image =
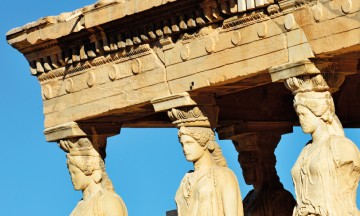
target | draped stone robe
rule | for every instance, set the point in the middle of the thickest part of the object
(200, 192)
(326, 177)
(94, 205)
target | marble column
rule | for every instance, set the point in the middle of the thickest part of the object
(211, 188)
(86, 151)
(327, 172)
(256, 145)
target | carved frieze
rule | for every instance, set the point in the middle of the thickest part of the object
(115, 58)
(246, 20)
(89, 45)
(302, 3)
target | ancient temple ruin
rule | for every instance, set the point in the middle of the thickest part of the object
(236, 67)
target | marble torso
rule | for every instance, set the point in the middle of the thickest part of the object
(269, 202)
(326, 178)
(93, 206)
(199, 193)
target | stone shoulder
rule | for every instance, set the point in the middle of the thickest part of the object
(344, 151)
(225, 174)
(111, 204)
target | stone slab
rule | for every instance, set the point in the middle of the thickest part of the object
(285, 71)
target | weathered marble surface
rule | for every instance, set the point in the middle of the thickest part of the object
(212, 188)
(87, 170)
(95, 70)
(88, 66)
(327, 172)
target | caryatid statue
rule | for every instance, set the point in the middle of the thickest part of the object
(212, 188)
(257, 160)
(87, 169)
(326, 174)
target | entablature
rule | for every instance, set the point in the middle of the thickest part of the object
(108, 27)
(109, 70)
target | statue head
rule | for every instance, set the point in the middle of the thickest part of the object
(84, 163)
(197, 140)
(257, 158)
(84, 169)
(317, 109)
(320, 104)
(250, 162)
(258, 168)
(313, 102)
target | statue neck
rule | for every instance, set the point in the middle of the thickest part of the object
(321, 133)
(204, 162)
(91, 190)
(257, 187)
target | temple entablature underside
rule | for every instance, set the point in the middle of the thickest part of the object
(115, 64)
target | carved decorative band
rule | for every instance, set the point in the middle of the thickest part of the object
(101, 41)
(116, 57)
(194, 116)
(318, 83)
(244, 21)
(302, 3)
(188, 116)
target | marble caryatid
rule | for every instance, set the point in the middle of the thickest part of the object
(212, 188)
(87, 170)
(257, 160)
(327, 172)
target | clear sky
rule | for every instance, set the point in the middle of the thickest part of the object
(145, 165)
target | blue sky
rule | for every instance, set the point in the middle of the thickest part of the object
(145, 165)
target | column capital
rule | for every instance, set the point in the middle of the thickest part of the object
(73, 130)
(302, 73)
(189, 110)
(63, 131)
(257, 141)
(293, 69)
(318, 83)
(182, 100)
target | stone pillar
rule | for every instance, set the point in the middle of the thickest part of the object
(86, 151)
(327, 172)
(212, 188)
(256, 143)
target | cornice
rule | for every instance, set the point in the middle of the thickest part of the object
(302, 3)
(113, 37)
(244, 20)
(59, 53)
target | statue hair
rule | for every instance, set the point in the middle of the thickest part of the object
(321, 104)
(205, 137)
(89, 164)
